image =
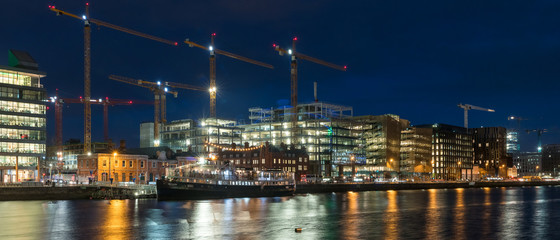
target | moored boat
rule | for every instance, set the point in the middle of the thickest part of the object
(194, 182)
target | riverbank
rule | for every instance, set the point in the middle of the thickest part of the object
(358, 187)
(12, 193)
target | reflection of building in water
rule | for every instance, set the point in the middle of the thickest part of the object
(22, 119)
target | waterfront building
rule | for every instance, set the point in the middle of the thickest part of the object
(490, 152)
(527, 163)
(266, 157)
(551, 160)
(123, 167)
(452, 152)
(22, 119)
(381, 139)
(327, 131)
(416, 153)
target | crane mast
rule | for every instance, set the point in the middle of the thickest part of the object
(87, 61)
(213, 51)
(294, 79)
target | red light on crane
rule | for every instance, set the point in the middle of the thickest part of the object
(87, 4)
(274, 45)
(213, 34)
(344, 67)
(130, 102)
(295, 38)
(176, 43)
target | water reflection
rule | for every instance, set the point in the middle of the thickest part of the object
(433, 216)
(492, 213)
(459, 216)
(391, 217)
(116, 222)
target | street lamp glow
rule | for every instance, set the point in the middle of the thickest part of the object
(115, 154)
(84, 17)
(290, 51)
(211, 48)
(158, 83)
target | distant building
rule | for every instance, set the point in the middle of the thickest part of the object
(416, 152)
(490, 152)
(512, 141)
(22, 119)
(452, 152)
(551, 160)
(70, 153)
(527, 163)
(146, 134)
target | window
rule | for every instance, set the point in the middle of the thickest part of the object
(142, 164)
(130, 163)
(130, 176)
(116, 163)
(124, 177)
(300, 158)
(275, 161)
(263, 161)
(299, 167)
(104, 163)
(305, 168)
(154, 164)
(123, 164)
(87, 163)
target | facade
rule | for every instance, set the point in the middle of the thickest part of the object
(490, 152)
(326, 131)
(416, 152)
(452, 152)
(146, 134)
(381, 139)
(120, 167)
(527, 163)
(268, 158)
(22, 119)
(189, 135)
(551, 160)
(512, 141)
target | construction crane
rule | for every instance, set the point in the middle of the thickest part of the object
(468, 107)
(59, 104)
(213, 51)
(518, 119)
(294, 79)
(539, 136)
(87, 61)
(159, 89)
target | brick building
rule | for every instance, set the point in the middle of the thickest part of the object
(268, 158)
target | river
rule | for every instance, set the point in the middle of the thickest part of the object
(482, 213)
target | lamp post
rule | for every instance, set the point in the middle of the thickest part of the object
(460, 174)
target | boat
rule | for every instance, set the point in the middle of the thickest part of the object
(199, 181)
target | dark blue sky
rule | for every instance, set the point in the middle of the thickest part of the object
(417, 59)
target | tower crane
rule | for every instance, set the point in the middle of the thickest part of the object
(213, 51)
(159, 89)
(518, 119)
(59, 103)
(294, 79)
(87, 61)
(468, 107)
(539, 135)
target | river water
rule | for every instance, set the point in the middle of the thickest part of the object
(482, 213)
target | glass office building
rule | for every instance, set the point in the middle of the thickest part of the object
(22, 119)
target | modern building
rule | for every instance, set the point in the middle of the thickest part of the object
(551, 160)
(512, 141)
(416, 153)
(22, 119)
(146, 134)
(452, 152)
(490, 151)
(381, 139)
(189, 135)
(527, 163)
(326, 131)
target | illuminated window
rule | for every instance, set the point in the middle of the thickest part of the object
(130, 163)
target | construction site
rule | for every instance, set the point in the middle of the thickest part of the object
(337, 142)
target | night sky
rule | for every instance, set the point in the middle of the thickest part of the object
(416, 59)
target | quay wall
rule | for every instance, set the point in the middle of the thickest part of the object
(357, 187)
(68, 193)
